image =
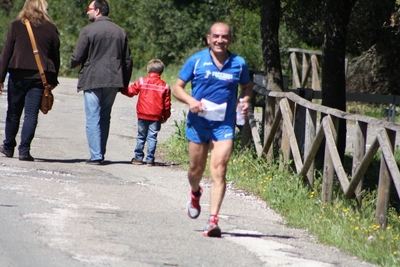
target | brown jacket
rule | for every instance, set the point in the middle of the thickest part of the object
(104, 55)
(17, 55)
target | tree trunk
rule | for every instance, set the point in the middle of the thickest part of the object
(337, 14)
(270, 17)
(269, 25)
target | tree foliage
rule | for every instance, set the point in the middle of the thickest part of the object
(366, 25)
(173, 29)
(305, 18)
(170, 30)
(269, 12)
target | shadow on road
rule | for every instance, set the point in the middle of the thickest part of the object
(251, 235)
(106, 162)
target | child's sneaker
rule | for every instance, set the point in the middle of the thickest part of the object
(212, 229)
(193, 206)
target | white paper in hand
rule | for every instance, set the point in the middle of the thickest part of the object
(213, 112)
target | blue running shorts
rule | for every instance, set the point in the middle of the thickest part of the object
(199, 134)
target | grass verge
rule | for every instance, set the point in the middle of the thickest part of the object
(340, 224)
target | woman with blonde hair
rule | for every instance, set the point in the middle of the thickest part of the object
(25, 87)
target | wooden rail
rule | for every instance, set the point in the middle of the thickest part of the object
(302, 136)
(309, 68)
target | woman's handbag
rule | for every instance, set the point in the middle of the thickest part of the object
(48, 98)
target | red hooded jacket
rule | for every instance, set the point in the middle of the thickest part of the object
(154, 101)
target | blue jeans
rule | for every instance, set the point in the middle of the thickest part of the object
(22, 93)
(98, 105)
(147, 131)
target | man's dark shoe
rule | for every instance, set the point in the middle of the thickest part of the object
(7, 153)
(135, 161)
(94, 162)
(26, 157)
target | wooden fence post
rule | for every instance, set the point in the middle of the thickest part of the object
(304, 71)
(310, 132)
(329, 171)
(300, 122)
(270, 104)
(382, 204)
(285, 146)
(316, 85)
(296, 80)
(359, 152)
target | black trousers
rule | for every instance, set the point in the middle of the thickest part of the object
(22, 93)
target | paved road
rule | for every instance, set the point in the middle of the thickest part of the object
(59, 211)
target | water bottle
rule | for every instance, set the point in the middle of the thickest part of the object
(239, 117)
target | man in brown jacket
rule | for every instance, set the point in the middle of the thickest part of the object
(106, 67)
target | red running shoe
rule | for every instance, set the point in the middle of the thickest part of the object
(212, 229)
(193, 206)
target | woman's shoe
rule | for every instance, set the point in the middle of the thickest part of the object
(7, 153)
(26, 157)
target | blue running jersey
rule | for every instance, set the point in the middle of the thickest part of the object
(215, 85)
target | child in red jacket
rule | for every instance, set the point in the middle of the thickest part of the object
(153, 108)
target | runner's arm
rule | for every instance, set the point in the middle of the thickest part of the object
(178, 91)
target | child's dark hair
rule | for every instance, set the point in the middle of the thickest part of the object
(155, 65)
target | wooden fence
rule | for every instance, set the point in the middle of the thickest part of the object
(302, 135)
(309, 68)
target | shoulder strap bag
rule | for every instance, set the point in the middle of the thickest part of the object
(48, 98)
